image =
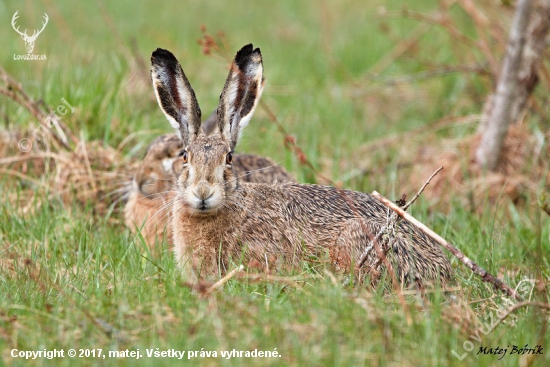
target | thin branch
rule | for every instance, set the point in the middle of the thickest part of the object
(292, 281)
(224, 280)
(518, 306)
(88, 165)
(290, 143)
(365, 255)
(384, 229)
(422, 188)
(485, 276)
(15, 92)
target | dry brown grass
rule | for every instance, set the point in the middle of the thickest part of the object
(523, 166)
(523, 174)
(92, 172)
(89, 173)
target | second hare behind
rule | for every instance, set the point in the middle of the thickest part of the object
(217, 219)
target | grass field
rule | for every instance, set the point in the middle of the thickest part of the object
(70, 278)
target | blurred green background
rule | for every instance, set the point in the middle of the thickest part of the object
(343, 78)
(322, 62)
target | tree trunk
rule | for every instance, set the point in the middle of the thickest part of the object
(517, 80)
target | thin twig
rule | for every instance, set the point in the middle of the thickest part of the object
(224, 280)
(88, 166)
(366, 253)
(485, 276)
(15, 91)
(401, 48)
(290, 143)
(10, 172)
(518, 306)
(422, 188)
(292, 281)
(375, 240)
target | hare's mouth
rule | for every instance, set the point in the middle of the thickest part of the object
(202, 205)
(203, 210)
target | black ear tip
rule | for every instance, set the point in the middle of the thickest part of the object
(161, 54)
(246, 49)
(244, 54)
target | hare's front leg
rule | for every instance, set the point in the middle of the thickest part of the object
(184, 259)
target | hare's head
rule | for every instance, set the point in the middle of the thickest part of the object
(207, 176)
(155, 175)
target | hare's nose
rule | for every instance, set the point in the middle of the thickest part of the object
(203, 192)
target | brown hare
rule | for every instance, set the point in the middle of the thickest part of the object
(217, 218)
(149, 197)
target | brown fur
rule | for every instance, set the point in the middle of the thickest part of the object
(292, 221)
(216, 218)
(148, 206)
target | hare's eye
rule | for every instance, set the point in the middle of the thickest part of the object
(184, 156)
(228, 158)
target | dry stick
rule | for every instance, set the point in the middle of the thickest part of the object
(401, 48)
(291, 143)
(481, 23)
(305, 161)
(518, 306)
(88, 166)
(422, 188)
(15, 91)
(377, 237)
(485, 276)
(366, 254)
(382, 253)
(291, 281)
(224, 280)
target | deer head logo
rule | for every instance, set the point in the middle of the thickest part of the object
(29, 40)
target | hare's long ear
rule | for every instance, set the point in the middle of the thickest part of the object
(240, 94)
(175, 96)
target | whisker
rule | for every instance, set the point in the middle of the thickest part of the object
(161, 179)
(248, 173)
(120, 190)
(161, 194)
(163, 208)
(160, 219)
